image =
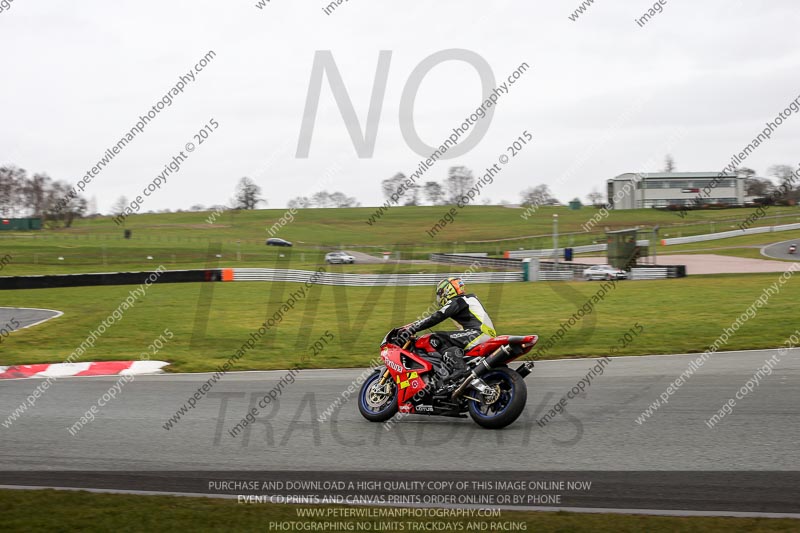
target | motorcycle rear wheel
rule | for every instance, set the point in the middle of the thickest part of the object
(376, 403)
(506, 407)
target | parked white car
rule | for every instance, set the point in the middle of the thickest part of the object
(604, 272)
(339, 257)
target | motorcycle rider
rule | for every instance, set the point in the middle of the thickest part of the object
(468, 312)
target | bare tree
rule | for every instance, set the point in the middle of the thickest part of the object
(35, 192)
(788, 181)
(669, 163)
(412, 194)
(784, 173)
(39, 196)
(595, 197)
(62, 207)
(321, 199)
(434, 193)
(119, 206)
(392, 185)
(459, 181)
(754, 186)
(539, 195)
(758, 186)
(339, 199)
(299, 202)
(12, 182)
(248, 194)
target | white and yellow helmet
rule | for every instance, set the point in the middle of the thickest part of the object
(447, 289)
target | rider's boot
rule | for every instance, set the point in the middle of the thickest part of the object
(454, 359)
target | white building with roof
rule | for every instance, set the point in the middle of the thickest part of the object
(635, 190)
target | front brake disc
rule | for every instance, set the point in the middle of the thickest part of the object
(376, 398)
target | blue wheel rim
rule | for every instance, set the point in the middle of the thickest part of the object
(365, 389)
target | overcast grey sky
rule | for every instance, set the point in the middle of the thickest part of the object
(603, 95)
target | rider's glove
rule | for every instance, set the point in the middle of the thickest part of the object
(405, 332)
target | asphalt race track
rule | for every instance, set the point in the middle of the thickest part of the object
(780, 250)
(599, 431)
(24, 316)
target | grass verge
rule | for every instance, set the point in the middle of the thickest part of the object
(211, 321)
(50, 510)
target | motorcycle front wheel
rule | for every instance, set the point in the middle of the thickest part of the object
(376, 402)
(506, 402)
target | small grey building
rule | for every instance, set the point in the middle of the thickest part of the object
(661, 189)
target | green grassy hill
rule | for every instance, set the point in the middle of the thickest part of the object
(189, 240)
(407, 225)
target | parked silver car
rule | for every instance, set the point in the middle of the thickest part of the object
(339, 257)
(604, 272)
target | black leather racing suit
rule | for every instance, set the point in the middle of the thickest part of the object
(470, 314)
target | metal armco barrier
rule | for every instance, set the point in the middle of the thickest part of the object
(520, 254)
(649, 273)
(555, 275)
(462, 259)
(733, 233)
(366, 280)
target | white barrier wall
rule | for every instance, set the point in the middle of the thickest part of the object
(518, 254)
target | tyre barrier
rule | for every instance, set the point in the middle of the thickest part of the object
(52, 281)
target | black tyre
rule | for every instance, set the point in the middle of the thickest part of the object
(506, 406)
(377, 403)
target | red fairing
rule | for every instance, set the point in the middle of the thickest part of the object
(424, 343)
(408, 382)
(486, 348)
